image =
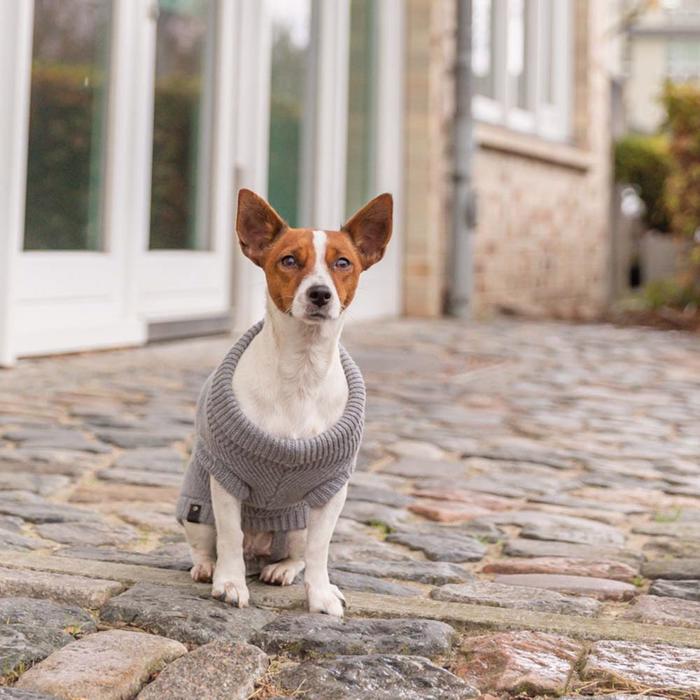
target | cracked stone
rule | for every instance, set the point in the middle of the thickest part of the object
(44, 460)
(425, 468)
(129, 439)
(599, 588)
(43, 484)
(101, 492)
(64, 588)
(435, 573)
(538, 525)
(183, 616)
(376, 676)
(474, 498)
(118, 556)
(110, 665)
(215, 671)
(150, 519)
(680, 568)
(447, 544)
(19, 694)
(372, 513)
(375, 494)
(140, 477)
(562, 565)
(657, 610)
(32, 629)
(518, 662)
(500, 595)
(56, 438)
(447, 511)
(154, 459)
(687, 590)
(418, 449)
(91, 534)
(322, 634)
(15, 542)
(677, 530)
(371, 584)
(631, 665)
(36, 510)
(520, 547)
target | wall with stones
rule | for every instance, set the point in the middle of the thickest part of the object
(430, 30)
(542, 240)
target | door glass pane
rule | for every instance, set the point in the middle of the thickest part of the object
(519, 51)
(361, 105)
(181, 119)
(67, 125)
(290, 101)
(484, 47)
(547, 51)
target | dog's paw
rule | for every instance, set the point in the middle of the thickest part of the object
(282, 573)
(325, 599)
(231, 592)
(202, 571)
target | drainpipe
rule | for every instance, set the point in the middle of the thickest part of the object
(460, 264)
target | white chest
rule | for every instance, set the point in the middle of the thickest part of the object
(295, 396)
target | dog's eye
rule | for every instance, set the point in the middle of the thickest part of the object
(342, 264)
(288, 261)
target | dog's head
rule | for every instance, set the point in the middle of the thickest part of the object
(312, 275)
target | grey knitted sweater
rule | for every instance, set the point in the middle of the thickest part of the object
(277, 479)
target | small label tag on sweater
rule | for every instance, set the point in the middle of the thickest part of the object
(194, 513)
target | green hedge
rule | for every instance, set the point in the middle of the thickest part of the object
(65, 164)
(644, 161)
(174, 170)
(62, 209)
(682, 193)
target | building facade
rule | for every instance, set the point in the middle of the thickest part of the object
(663, 43)
(132, 123)
(542, 165)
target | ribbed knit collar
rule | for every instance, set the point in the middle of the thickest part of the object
(233, 432)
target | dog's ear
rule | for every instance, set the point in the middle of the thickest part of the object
(370, 229)
(257, 225)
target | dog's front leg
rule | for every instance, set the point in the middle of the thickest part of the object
(322, 596)
(229, 575)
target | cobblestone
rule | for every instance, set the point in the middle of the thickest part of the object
(320, 634)
(565, 454)
(104, 666)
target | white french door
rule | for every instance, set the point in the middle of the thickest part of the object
(183, 267)
(330, 103)
(131, 123)
(69, 263)
(120, 197)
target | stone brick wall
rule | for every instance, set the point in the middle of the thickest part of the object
(542, 240)
(429, 90)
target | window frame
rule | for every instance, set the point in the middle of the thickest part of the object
(550, 121)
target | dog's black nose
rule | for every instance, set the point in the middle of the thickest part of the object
(319, 295)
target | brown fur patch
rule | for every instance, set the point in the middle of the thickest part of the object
(282, 282)
(340, 245)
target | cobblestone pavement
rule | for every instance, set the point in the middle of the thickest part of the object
(524, 521)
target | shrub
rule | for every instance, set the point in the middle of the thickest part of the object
(66, 158)
(643, 161)
(682, 191)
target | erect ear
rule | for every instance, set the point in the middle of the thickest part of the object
(257, 225)
(370, 229)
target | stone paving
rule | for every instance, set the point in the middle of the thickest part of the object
(524, 521)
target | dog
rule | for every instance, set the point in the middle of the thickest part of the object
(294, 384)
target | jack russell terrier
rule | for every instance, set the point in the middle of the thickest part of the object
(279, 422)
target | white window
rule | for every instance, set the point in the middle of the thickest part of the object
(522, 59)
(683, 60)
